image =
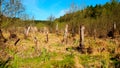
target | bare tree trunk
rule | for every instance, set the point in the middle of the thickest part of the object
(73, 32)
(114, 30)
(66, 34)
(46, 33)
(36, 44)
(27, 29)
(57, 29)
(82, 28)
(81, 44)
(47, 39)
(94, 34)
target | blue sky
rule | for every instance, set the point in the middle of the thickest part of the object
(42, 9)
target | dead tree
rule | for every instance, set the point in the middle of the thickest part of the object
(82, 28)
(33, 30)
(81, 44)
(57, 29)
(28, 29)
(46, 34)
(26, 32)
(94, 34)
(89, 50)
(65, 39)
(112, 32)
(73, 32)
(36, 44)
(47, 39)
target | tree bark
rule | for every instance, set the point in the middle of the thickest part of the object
(47, 39)
(27, 29)
(81, 44)
(36, 44)
(57, 29)
(46, 34)
(66, 34)
(82, 28)
(94, 34)
(114, 30)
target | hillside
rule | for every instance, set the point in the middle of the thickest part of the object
(87, 38)
(99, 17)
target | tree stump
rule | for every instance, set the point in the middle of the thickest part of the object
(36, 44)
(57, 29)
(13, 36)
(82, 28)
(65, 38)
(89, 50)
(46, 34)
(114, 30)
(94, 34)
(47, 39)
(26, 32)
(81, 43)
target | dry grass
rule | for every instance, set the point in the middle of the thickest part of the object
(55, 51)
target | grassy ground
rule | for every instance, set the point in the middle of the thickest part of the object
(55, 54)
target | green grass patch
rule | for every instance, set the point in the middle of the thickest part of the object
(33, 62)
(102, 60)
(67, 62)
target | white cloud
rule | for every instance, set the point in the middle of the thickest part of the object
(33, 9)
(62, 12)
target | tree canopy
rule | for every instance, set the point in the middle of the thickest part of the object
(99, 17)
